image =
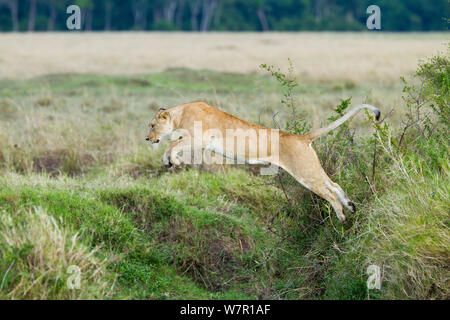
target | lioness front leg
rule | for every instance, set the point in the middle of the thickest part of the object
(166, 158)
(171, 155)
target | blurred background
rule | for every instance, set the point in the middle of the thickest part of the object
(223, 15)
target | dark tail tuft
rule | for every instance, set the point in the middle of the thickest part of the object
(377, 115)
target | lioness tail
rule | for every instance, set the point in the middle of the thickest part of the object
(322, 131)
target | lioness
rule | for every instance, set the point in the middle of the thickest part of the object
(208, 127)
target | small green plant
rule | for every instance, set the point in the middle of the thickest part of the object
(295, 124)
(428, 101)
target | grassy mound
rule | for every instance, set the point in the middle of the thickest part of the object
(80, 194)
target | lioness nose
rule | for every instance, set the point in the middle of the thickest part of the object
(148, 139)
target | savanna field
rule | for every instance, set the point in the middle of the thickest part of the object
(80, 186)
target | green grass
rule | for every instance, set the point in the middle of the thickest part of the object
(79, 186)
(165, 238)
(158, 245)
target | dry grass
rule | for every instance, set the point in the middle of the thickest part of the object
(39, 253)
(409, 235)
(317, 56)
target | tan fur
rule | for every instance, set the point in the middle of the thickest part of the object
(296, 155)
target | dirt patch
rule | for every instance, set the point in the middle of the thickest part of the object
(44, 101)
(114, 105)
(138, 171)
(7, 109)
(56, 162)
(212, 257)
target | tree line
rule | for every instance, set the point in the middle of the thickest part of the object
(224, 15)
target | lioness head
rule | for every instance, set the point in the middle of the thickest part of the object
(159, 127)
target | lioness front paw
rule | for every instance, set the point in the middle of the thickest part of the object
(174, 160)
(167, 162)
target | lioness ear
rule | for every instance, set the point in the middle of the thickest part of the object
(164, 115)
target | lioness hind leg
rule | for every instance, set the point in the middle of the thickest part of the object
(320, 185)
(308, 171)
(337, 206)
(346, 202)
(324, 189)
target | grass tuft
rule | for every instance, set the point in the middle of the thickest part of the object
(37, 254)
